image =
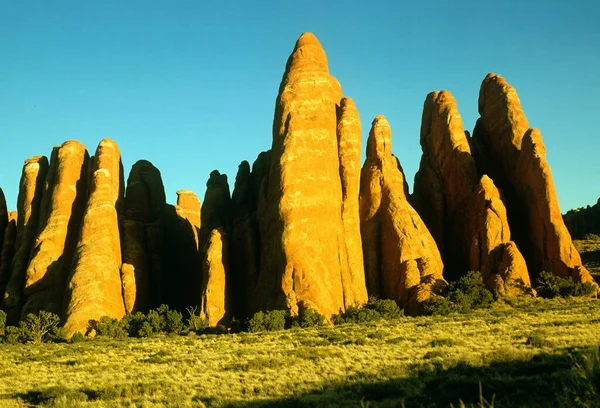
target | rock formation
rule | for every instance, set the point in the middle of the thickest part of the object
(8, 249)
(94, 287)
(303, 248)
(31, 188)
(215, 302)
(62, 209)
(141, 239)
(514, 156)
(402, 261)
(465, 214)
(583, 221)
(3, 216)
(349, 134)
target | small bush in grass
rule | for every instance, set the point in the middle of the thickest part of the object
(39, 328)
(13, 335)
(307, 318)
(108, 327)
(375, 309)
(77, 338)
(437, 305)
(268, 321)
(469, 292)
(551, 286)
(195, 323)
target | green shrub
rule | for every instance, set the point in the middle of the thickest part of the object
(2, 322)
(437, 305)
(469, 292)
(133, 322)
(108, 327)
(375, 309)
(39, 328)
(307, 318)
(267, 321)
(195, 323)
(78, 338)
(13, 335)
(551, 286)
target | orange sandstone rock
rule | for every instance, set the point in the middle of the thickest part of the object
(467, 214)
(302, 233)
(62, 210)
(215, 296)
(401, 256)
(513, 155)
(28, 211)
(94, 286)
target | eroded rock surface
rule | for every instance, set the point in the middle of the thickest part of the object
(8, 249)
(514, 156)
(465, 213)
(94, 286)
(62, 210)
(31, 189)
(402, 261)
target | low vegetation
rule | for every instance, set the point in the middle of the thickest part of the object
(521, 351)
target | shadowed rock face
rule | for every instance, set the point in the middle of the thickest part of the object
(215, 302)
(60, 218)
(141, 229)
(3, 216)
(31, 188)
(513, 155)
(7, 250)
(402, 261)
(303, 254)
(466, 214)
(94, 288)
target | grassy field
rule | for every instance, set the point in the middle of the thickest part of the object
(525, 352)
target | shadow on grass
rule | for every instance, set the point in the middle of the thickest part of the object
(570, 378)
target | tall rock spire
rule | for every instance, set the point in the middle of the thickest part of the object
(514, 156)
(94, 287)
(303, 254)
(465, 213)
(402, 261)
(62, 210)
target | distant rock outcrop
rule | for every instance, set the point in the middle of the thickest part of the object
(3, 216)
(303, 247)
(31, 188)
(583, 221)
(514, 156)
(141, 237)
(465, 212)
(94, 288)
(402, 261)
(62, 206)
(215, 303)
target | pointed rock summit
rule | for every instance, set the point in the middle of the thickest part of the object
(514, 156)
(465, 214)
(303, 254)
(402, 261)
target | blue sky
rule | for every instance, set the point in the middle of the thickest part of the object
(191, 85)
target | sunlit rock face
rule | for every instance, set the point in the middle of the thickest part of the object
(31, 189)
(402, 261)
(304, 261)
(62, 207)
(94, 286)
(514, 156)
(215, 296)
(464, 212)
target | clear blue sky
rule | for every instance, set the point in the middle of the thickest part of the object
(191, 85)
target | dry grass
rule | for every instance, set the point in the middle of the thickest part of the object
(379, 363)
